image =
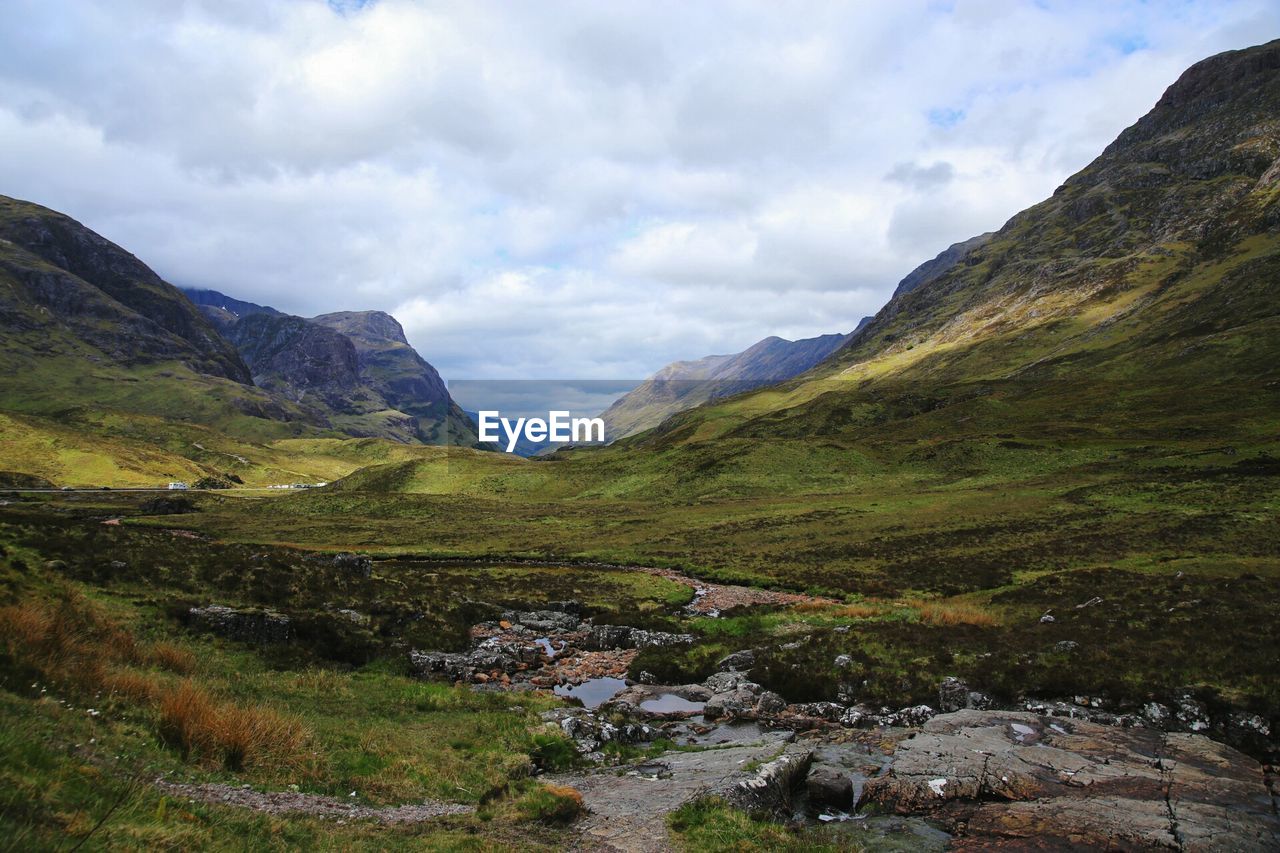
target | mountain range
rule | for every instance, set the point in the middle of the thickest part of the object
(127, 377)
(685, 384)
(355, 368)
(1143, 274)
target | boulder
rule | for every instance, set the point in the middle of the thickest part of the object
(770, 790)
(258, 627)
(731, 705)
(770, 704)
(831, 787)
(544, 621)
(737, 662)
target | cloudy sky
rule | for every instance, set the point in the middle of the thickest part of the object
(573, 189)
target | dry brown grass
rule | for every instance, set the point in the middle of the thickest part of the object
(234, 736)
(948, 613)
(69, 641)
(172, 657)
(869, 609)
(138, 688)
(74, 644)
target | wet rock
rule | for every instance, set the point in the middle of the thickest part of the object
(737, 662)
(1025, 778)
(830, 786)
(259, 627)
(607, 637)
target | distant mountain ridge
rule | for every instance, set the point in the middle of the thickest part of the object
(356, 366)
(684, 384)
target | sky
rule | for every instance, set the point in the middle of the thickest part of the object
(572, 189)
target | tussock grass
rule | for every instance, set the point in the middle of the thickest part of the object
(951, 613)
(234, 736)
(552, 804)
(75, 644)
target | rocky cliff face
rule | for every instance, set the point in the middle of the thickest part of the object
(302, 360)
(389, 364)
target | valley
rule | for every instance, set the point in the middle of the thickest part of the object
(996, 569)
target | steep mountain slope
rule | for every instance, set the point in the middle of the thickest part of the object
(1139, 299)
(297, 358)
(394, 371)
(64, 285)
(684, 384)
(946, 259)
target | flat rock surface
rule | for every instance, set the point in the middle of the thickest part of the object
(628, 806)
(1005, 779)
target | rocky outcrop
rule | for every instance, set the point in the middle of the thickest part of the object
(1022, 776)
(605, 637)
(257, 627)
(770, 790)
(301, 360)
(590, 733)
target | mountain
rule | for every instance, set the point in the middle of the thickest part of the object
(940, 265)
(1139, 299)
(684, 384)
(69, 291)
(355, 369)
(225, 310)
(389, 365)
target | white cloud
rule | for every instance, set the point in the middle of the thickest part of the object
(570, 188)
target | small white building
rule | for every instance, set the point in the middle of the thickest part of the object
(177, 486)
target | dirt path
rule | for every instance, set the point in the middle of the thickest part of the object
(627, 813)
(282, 802)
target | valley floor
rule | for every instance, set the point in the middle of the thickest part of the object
(155, 651)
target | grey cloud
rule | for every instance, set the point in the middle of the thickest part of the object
(570, 188)
(919, 177)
